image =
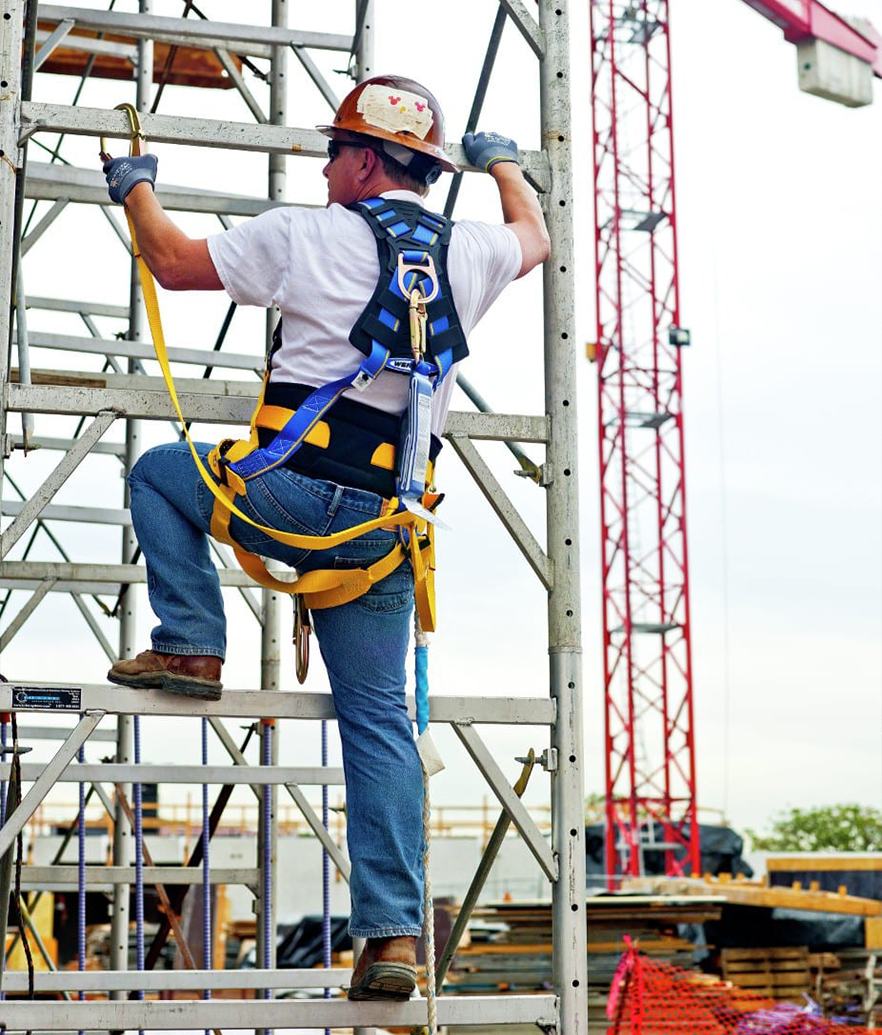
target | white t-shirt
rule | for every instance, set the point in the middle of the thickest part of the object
(320, 267)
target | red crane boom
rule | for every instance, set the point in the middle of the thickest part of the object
(807, 20)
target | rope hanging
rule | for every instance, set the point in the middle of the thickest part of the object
(206, 869)
(19, 855)
(431, 763)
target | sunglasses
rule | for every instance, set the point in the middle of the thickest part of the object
(336, 146)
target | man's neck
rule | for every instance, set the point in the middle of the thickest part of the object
(378, 185)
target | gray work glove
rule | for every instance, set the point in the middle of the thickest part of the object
(123, 173)
(484, 150)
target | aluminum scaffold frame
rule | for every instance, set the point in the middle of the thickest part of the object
(129, 394)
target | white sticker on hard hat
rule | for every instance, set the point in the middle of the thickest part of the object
(397, 111)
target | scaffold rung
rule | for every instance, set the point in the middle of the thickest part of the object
(103, 878)
(109, 772)
(291, 1013)
(250, 704)
(162, 980)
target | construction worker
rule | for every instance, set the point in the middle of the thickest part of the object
(322, 268)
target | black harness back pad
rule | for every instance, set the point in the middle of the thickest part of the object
(370, 327)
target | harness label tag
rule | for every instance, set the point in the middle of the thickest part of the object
(424, 423)
(51, 699)
(415, 448)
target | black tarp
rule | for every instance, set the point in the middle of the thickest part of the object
(721, 850)
(864, 883)
(301, 943)
(753, 927)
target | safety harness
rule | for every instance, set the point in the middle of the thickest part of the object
(409, 327)
(412, 247)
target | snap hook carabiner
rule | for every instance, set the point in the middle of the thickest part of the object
(137, 134)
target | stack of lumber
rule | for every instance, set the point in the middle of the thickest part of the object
(848, 984)
(780, 974)
(509, 948)
(739, 891)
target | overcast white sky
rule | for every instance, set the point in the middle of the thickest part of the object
(780, 220)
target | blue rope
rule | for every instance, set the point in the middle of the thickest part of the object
(326, 871)
(421, 672)
(139, 859)
(206, 870)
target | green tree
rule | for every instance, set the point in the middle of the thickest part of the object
(829, 828)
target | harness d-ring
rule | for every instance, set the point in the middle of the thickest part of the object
(417, 301)
(426, 268)
(136, 136)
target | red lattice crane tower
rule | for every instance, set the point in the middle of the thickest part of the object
(651, 801)
(650, 777)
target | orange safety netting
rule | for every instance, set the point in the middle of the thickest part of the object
(651, 998)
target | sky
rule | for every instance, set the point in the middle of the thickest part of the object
(780, 236)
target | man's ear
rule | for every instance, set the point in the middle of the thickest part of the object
(369, 162)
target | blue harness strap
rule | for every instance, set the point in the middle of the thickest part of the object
(306, 416)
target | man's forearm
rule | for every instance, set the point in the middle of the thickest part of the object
(522, 214)
(519, 201)
(156, 233)
(177, 261)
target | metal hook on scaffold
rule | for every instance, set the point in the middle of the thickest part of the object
(136, 134)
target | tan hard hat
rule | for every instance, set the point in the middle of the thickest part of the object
(397, 110)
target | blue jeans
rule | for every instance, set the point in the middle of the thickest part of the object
(363, 644)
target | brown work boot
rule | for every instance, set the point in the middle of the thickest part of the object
(386, 969)
(193, 675)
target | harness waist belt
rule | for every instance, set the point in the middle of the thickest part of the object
(353, 445)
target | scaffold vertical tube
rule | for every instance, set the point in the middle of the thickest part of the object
(206, 869)
(364, 46)
(81, 878)
(139, 857)
(267, 933)
(326, 872)
(122, 833)
(3, 735)
(562, 508)
(363, 68)
(271, 609)
(10, 70)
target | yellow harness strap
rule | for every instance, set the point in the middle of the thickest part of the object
(319, 589)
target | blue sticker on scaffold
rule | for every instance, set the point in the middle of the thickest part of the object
(52, 699)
